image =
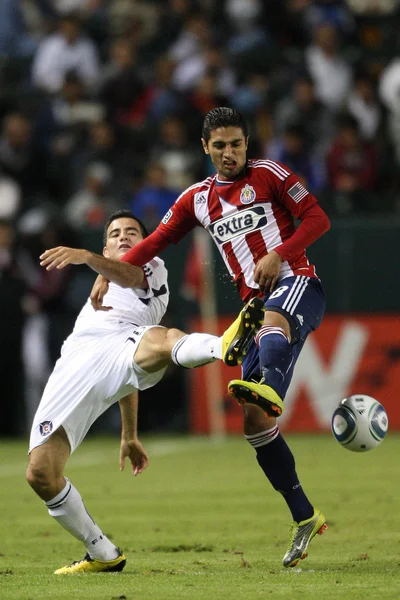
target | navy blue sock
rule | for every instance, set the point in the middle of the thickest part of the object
(276, 356)
(277, 461)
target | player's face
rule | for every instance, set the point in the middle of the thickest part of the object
(227, 148)
(122, 234)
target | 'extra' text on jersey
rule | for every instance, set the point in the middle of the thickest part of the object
(247, 218)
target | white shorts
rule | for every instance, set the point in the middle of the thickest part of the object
(95, 370)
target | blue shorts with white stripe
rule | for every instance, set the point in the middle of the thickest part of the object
(301, 300)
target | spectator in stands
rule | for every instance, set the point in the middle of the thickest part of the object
(63, 120)
(174, 152)
(163, 99)
(352, 163)
(61, 131)
(153, 199)
(294, 152)
(330, 72)
(302, 106)
(187, 51)
(122, 87)
(250, 94)
(116, 150)
(248, 40)
(19, 157)
(206, 95)
(364, 107)
(66, 50)
(89, 207)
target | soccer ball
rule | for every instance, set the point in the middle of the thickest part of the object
(359, 423)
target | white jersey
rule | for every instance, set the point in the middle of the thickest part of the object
(97, 364)
(132, 306)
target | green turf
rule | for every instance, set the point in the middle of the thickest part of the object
(203, 523)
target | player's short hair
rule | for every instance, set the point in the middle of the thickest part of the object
(223, 117)
(124, 214)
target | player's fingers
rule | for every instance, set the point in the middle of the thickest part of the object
(103, 308)
(50, 252)
(274, 281)
(63, 263)
(121, 462)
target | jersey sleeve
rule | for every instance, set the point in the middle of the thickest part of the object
(179, 219)
(157, 280)
(294, 196)
(288, 190)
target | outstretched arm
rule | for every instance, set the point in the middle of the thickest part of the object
(123, 274)
(130, 445)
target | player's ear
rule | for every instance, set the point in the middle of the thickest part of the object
(105, 252)
(205, 148)
(247, 142)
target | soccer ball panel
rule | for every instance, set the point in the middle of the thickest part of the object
(359, 423)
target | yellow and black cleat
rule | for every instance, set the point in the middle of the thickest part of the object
(92, 565)
(249, 392)
(237, 338)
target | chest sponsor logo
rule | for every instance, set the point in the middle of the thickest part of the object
(242, 222)
(167, 217)
(247, 194)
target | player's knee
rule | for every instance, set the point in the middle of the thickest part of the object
(173, 335)
(39, 477)
(275, 319)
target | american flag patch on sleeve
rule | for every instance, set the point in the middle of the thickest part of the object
(297, 192)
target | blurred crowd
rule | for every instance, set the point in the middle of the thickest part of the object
(101, 105)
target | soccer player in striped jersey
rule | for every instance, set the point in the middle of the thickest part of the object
(249, 208)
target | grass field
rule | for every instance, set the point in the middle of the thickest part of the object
(203, 523)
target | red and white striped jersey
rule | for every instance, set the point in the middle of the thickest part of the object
(247, 218)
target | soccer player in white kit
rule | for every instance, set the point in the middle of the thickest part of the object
(111, 354)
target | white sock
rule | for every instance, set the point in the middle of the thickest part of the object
(196, 349)
(69, 510)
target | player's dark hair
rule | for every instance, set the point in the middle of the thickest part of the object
(223, 117)
(123, 214)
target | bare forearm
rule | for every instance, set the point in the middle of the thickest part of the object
(121, 273)
(129, 411)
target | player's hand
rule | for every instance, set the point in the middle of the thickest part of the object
(133, 450)
(99, 290)
(266, 271)
(60, 257)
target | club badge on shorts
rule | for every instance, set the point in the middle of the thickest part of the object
(45, 428)
(248, 194)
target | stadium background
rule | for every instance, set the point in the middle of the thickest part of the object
(113, 120)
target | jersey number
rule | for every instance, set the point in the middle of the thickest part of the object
(278, 292)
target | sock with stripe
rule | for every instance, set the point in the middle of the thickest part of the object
(276, 356)
(68, 509)
(196, 349)
(277, 461)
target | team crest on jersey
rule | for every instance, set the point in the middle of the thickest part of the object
(241, 222)
(45, 428)
(167, 216)
(248, 194)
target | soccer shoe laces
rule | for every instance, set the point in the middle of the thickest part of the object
(87, 558)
